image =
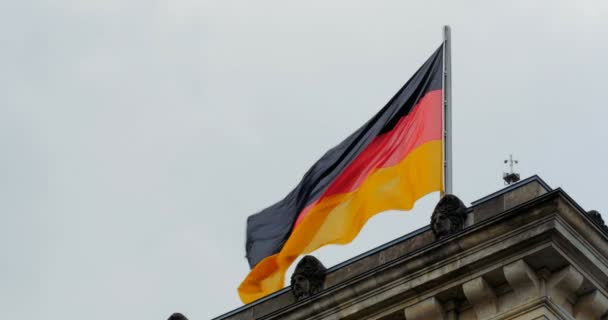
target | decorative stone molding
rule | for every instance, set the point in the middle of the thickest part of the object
(523, 280)
(481, 295)
(448, 217)
(562, 286)
(428, 309)
(308, 278)
(591, 306)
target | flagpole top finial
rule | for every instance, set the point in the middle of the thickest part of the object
(447, 31)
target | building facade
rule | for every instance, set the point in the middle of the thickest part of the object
(524, 252)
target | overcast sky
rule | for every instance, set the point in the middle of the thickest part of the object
(138, 135)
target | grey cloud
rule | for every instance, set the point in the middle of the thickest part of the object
(137, 136)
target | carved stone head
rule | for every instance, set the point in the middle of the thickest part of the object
(597, 218)
(448, 217)
(177, 316)
(308, 278)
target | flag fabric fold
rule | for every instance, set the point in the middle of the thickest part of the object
(387, 164)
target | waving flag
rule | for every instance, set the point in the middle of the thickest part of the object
(390, 162)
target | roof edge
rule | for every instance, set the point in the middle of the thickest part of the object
(398, 240)
(534, 178)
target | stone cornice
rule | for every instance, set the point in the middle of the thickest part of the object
(545, 230)
(458, 256)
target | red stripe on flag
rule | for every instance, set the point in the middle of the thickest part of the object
(421, 125)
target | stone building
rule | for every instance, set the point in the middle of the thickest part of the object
(524, 252)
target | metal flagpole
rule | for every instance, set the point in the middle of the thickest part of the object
(447, 110)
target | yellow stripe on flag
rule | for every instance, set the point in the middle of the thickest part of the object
(338, 219)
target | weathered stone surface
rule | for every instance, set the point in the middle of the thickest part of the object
(523, 280)
(428, 309)
(485, 208)
(308, 278)
(562, 285)
(591, 306)
(481, 295)
(448, 217)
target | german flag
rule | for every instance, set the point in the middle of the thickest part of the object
(390, 162)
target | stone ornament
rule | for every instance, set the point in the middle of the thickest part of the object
(177, 316)
(597, 218)
(308, 278)
(448, 217)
